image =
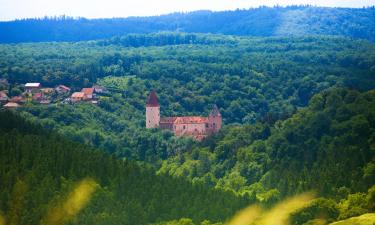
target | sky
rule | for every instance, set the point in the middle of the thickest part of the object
(17, 9)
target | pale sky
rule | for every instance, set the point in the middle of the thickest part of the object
(12, 9)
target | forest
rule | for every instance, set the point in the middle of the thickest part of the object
(262, 21)
(37, 168)
(298, 116)
(249, 79)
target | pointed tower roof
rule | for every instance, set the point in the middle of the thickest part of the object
(152, 100)
(215, 111)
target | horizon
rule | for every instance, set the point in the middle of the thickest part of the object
(99, 9)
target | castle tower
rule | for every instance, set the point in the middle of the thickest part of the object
(215, 120)
(152, 111)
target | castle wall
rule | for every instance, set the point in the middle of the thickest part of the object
(152, 117)
(189, 128)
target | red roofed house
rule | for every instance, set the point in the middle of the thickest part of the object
(62, 89)
(38, 96)
(89, 93)
(11, 105)
(17, 99)
(78, 96)
(196, 127)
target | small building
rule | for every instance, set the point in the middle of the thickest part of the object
(38, 96)
(62, 89)
(32, 86)
(3, 97)
(11, 105)
(89, 93)
(17, 99)
(78, 96)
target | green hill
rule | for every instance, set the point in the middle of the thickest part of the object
(262, 21)
(37, 168)
(250, 79)
(298, 113)
(327, 147)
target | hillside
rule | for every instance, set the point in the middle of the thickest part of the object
(37, 168)
(327, 147)
(263, 21)
(249, 79)
(298, 115)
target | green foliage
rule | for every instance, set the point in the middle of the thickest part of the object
(327, 147)
(357, 204)
(270, 148)
(365, 219)
(250, 79)
(262, 21)
(37, 167)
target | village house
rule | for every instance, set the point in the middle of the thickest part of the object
(196, 127)
(29, 87)
(89, 93)
(38, 96)
(11, 105)
(78, 96)
(17, 99)
(62, 89)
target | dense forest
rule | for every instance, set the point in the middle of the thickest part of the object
(38, 167)
(263, 21)
(249, 79)
(327, 147)
(298, 113)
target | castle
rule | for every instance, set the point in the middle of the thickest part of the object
(196, 127)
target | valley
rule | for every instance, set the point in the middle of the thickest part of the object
(246, 117)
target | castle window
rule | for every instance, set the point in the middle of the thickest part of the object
(206, 125)
(184, 127)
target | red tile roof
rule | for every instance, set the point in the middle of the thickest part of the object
(37, 95)
(152, 100)
(3, 94)
(63, 87)
(88, 91)
(168, 119)
(11, 105)
(78, 95)
(17, 99)
(191, 119)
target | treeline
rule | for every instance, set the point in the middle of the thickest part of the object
(38, 167)
(165, 38)
(263, 21)
(327, 147)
